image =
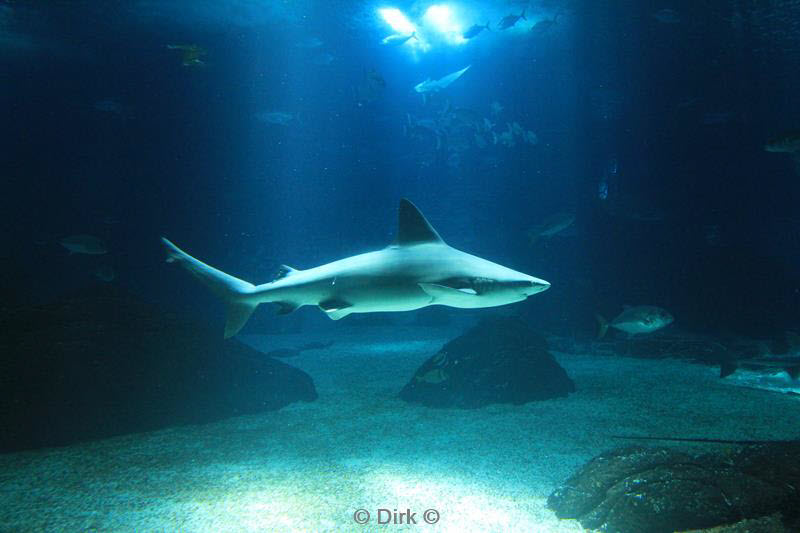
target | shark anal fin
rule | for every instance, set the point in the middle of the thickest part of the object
(336, 309)
(284, 308)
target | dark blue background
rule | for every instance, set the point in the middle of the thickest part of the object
(188, 159)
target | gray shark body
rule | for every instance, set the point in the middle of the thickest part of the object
(418, 270)
(432, 86)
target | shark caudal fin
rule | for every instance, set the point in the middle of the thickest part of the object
(233, 291)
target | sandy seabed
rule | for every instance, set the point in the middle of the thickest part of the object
(312, 466)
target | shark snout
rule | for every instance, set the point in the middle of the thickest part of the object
(538, 285)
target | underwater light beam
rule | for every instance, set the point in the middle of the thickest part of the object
(442, 18)
(397, 20)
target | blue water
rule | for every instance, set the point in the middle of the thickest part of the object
(261, 133)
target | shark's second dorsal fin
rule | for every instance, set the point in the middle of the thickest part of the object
(412, 228)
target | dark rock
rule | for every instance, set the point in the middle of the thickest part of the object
(103, 363)
(768, 524)
(500, 360)
(639, 489)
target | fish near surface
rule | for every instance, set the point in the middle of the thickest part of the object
(398, 39)
(430, 85)
(510, 20)
(786, 143)
(551, 226)
(84, 244)
(416, 271)
(474, 30)
(637, 320)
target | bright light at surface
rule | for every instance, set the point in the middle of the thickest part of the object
(397, 20)
(442, 18)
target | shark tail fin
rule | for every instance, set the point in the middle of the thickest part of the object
(522, 15)
(233, 291)
(602, 326)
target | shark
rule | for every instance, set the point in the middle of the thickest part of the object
(417, 270)
(431, 86)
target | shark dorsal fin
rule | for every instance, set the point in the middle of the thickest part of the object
(283, 271)
(412, 228)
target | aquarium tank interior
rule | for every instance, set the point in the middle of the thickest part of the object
(413, 265)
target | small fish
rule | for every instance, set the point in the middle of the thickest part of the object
(551, 226)
(84, 244)
(316, 345)
(636, 320)
(791, 365)
(433, 377)
(281, 118)
(370, 89)
(108, 105)
(544, 25)
(786, 143)
(496, 107)
(506, 138)
(105, 273)
(475, 30)
(324, 59)
(294, 352)
(717, 118)
(191, 54)
(310, 42)
(510, 20)
(283, 353)
(667, 16)
(398, 39)
(430, 85)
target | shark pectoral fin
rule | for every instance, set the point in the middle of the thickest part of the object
(237, 315)
(336, 309)
(284, 308)
(441, 293)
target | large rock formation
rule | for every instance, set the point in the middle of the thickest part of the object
(656, 490)
(500, 360)
(103, 363)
